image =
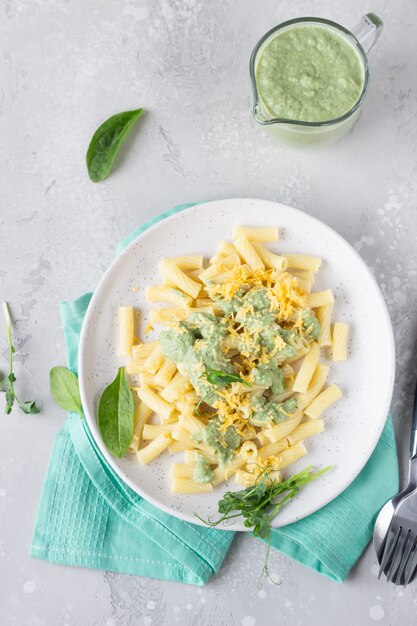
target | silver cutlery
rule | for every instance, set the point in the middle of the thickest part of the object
(395, 533)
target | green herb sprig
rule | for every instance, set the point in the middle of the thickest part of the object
(106, 143)
(219, 379)
(260, 503)
(7, 383)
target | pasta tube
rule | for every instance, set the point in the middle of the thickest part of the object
(188, 262)
(176, 388)
(266, 234)
(154, 360)
(281, 430)
(303, 262)
(187, 485)
(143, 350)
(248, 253)
(270, 260)
(126, 331)
(339, 341)
(142, 414)
(165, 373)
(306, 371)
(154, 448)
(323, 401)
(177, 277)
(320, 298)
(324, 316)
(155, 402)
(151, 431)
(168, 294)
(307, 429)
(316, 385)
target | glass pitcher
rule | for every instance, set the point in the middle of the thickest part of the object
(300, 133)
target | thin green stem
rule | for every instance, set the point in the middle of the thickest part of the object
(12, 349)
(8, 382)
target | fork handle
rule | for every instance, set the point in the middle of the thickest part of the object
(413, 439)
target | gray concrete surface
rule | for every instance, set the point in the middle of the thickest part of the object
(66, 65)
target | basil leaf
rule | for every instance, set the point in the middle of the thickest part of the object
(217, 377)
(115, 415)
(29, 407)
(64, 389)
(106, 143)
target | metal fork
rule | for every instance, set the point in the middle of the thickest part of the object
(395, 534)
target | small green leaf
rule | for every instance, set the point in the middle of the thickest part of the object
(217, 377)
(115, 415)
(29, 407)
(106, 143)
(64, 389)
(9, 400)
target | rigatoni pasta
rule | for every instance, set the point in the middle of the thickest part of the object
(174, 275)
(154, 449)
(248, 253)
(320, 298)
(324, 316)
(323, 401)
(306, 371)
(234, 381)
(339, 341)
(262, 233)
(126, 331)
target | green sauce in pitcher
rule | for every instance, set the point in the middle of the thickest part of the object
(309, 73)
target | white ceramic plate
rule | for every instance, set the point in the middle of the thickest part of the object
(353, 425)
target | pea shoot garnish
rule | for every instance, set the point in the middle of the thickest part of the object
(259, 504)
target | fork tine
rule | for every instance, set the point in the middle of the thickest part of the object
(394, 560)
(380, 554)
(387, 549)
(408, 546)
(413, 565)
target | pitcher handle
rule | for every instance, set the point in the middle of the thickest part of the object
(367, 30)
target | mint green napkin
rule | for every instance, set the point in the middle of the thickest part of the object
(89, 518)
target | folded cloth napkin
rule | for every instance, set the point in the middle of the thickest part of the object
(88, 517)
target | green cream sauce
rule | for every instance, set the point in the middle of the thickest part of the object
(225, 446)
(198, 345)
(253, 312)
(311, 325)
(272, 411)
(269, 375)
(309, 73)
(202, 470)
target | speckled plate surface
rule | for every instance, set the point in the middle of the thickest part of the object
(353, 426)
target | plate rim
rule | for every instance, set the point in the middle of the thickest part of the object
(91, 419)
